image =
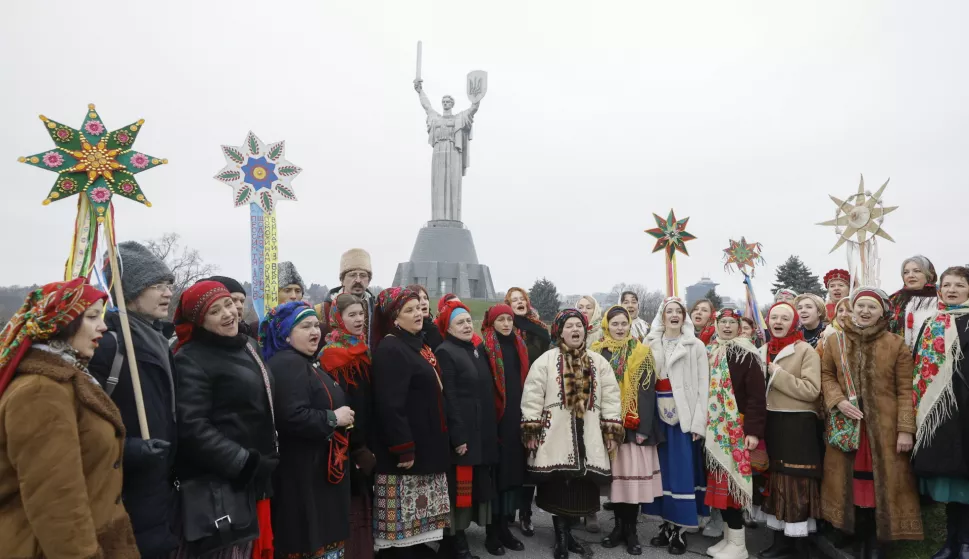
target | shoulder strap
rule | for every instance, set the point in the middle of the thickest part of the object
(269, 393)
(852, 396)
(112, 381)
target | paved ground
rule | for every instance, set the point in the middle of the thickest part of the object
(540, 546)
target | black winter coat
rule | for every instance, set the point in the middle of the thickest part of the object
(149, 484)
(510, 472)
(223, 409)
(537, 339)
(432, 336)
(469, 395)
(310, 508)
(409, 421)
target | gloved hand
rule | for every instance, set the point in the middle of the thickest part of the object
(257, 467)
(364, 459)
(144, 453)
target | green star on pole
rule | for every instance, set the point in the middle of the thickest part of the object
(93, 161)
(745, 256)
(670, 234)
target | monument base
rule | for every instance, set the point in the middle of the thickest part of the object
(445, 261)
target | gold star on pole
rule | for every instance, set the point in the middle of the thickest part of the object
(860, 217)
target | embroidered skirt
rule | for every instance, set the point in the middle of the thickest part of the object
(636, 477)
(683, 477)
(718, 493)
(573, 497)
(409, 509)
(863, 482)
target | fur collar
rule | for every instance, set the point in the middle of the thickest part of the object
(576, 370)
(868, 334)
(86, 390)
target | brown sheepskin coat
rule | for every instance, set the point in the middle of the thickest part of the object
(61, 440)
(881, 368)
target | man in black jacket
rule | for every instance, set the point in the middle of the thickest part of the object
(148, 492)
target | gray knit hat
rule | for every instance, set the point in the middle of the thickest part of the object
(140, 269)
(289, 276)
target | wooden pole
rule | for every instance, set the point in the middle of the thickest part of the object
(126, 329)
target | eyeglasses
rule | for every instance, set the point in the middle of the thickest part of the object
(163, 287)
(357, 275)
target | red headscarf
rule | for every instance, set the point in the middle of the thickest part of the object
(776, 344)
(443, 319)
(193, 305)
(45, 312)
(346, 357)
(448, 297)
(495, 357)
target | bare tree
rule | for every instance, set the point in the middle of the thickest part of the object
(186, 264)
(649, 301)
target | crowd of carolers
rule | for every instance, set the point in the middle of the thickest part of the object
(368, 424)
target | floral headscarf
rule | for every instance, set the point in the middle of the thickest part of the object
(495, 357)
(345, 356)
(559, 323)
(45, 312)
(389, 303)
(631, 361)
(279, 324)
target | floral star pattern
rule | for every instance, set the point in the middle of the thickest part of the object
(94, 162)
(745, 256)
(670, 234)
(258, 174)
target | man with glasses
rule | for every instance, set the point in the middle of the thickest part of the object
(148, 491)
(355, 275)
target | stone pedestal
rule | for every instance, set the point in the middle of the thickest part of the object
(445, 261)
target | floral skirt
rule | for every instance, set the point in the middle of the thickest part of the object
(636, 477)
(409, 509)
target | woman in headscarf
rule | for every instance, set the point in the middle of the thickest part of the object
(409, 434)
(868, 487)
(469, 394)
(62, 436)
(942, 410)
(432, 335)
(636, 478)
(682, 390)
(916, 301)
(537, 342)
(508, 360)
(810, 313)
(785, 295)
(737, 417)
(227, 432)
(311, 502)
(571, 426)
(590, 309)
(841, 313)
(793, 501)
(703, 315)
(748, 330)
(346, 358)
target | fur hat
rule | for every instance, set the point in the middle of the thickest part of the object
(355, 259)
(289, 276)
(140, 269)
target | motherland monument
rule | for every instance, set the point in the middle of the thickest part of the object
(444, 258)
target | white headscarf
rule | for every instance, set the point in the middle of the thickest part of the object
(658, 328)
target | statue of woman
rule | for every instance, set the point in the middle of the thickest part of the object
(450, 135)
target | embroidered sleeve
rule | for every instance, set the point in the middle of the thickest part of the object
(533, 402)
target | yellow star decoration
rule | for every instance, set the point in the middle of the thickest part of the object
(96, 161)
(861, 217)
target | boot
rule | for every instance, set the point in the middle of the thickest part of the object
(592, 524)
(736, 547)
(492, 541)
(781, 548)
(618, 535)
(717, 547)
(633, 546)
(525, 524)
(662, 539)
(573, 544)
(561, 537)
(677, 541)
(714, 528)
(461, 548)
(508, 540)
(950, 547)
(802, 548)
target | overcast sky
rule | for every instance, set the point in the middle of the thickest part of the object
(743, 116)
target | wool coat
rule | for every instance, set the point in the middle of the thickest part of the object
(537, 339)
(688, 370)
(881, 368)
(795, 386)
(469, 395)
(61, 446)
(548, 415)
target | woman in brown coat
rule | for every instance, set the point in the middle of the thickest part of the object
(872, 491)
(61, 436)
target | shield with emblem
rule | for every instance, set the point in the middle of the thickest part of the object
(477, 85)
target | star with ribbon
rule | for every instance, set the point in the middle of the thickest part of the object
(670, 234)
(745, 256)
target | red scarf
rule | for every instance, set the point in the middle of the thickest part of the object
(345, 357)
(495, 357)
(775, 345)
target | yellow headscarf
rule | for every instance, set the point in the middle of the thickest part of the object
(632, 362)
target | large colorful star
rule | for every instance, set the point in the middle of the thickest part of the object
(670, 234)
(745, 256)
(258, 174)
(864, 216)
(93, 161)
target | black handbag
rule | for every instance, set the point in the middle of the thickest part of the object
(216, 515)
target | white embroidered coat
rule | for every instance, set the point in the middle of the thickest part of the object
(544, 412)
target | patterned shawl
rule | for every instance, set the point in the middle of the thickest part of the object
(345, 356)
(278, 325)
(496, 359)
(633, 364)
(935, 360)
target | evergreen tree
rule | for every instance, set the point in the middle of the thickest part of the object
(545, 299)
(793, 274)
(714, 298)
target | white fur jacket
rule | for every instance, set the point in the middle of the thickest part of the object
(550, 402)
(689, 372)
